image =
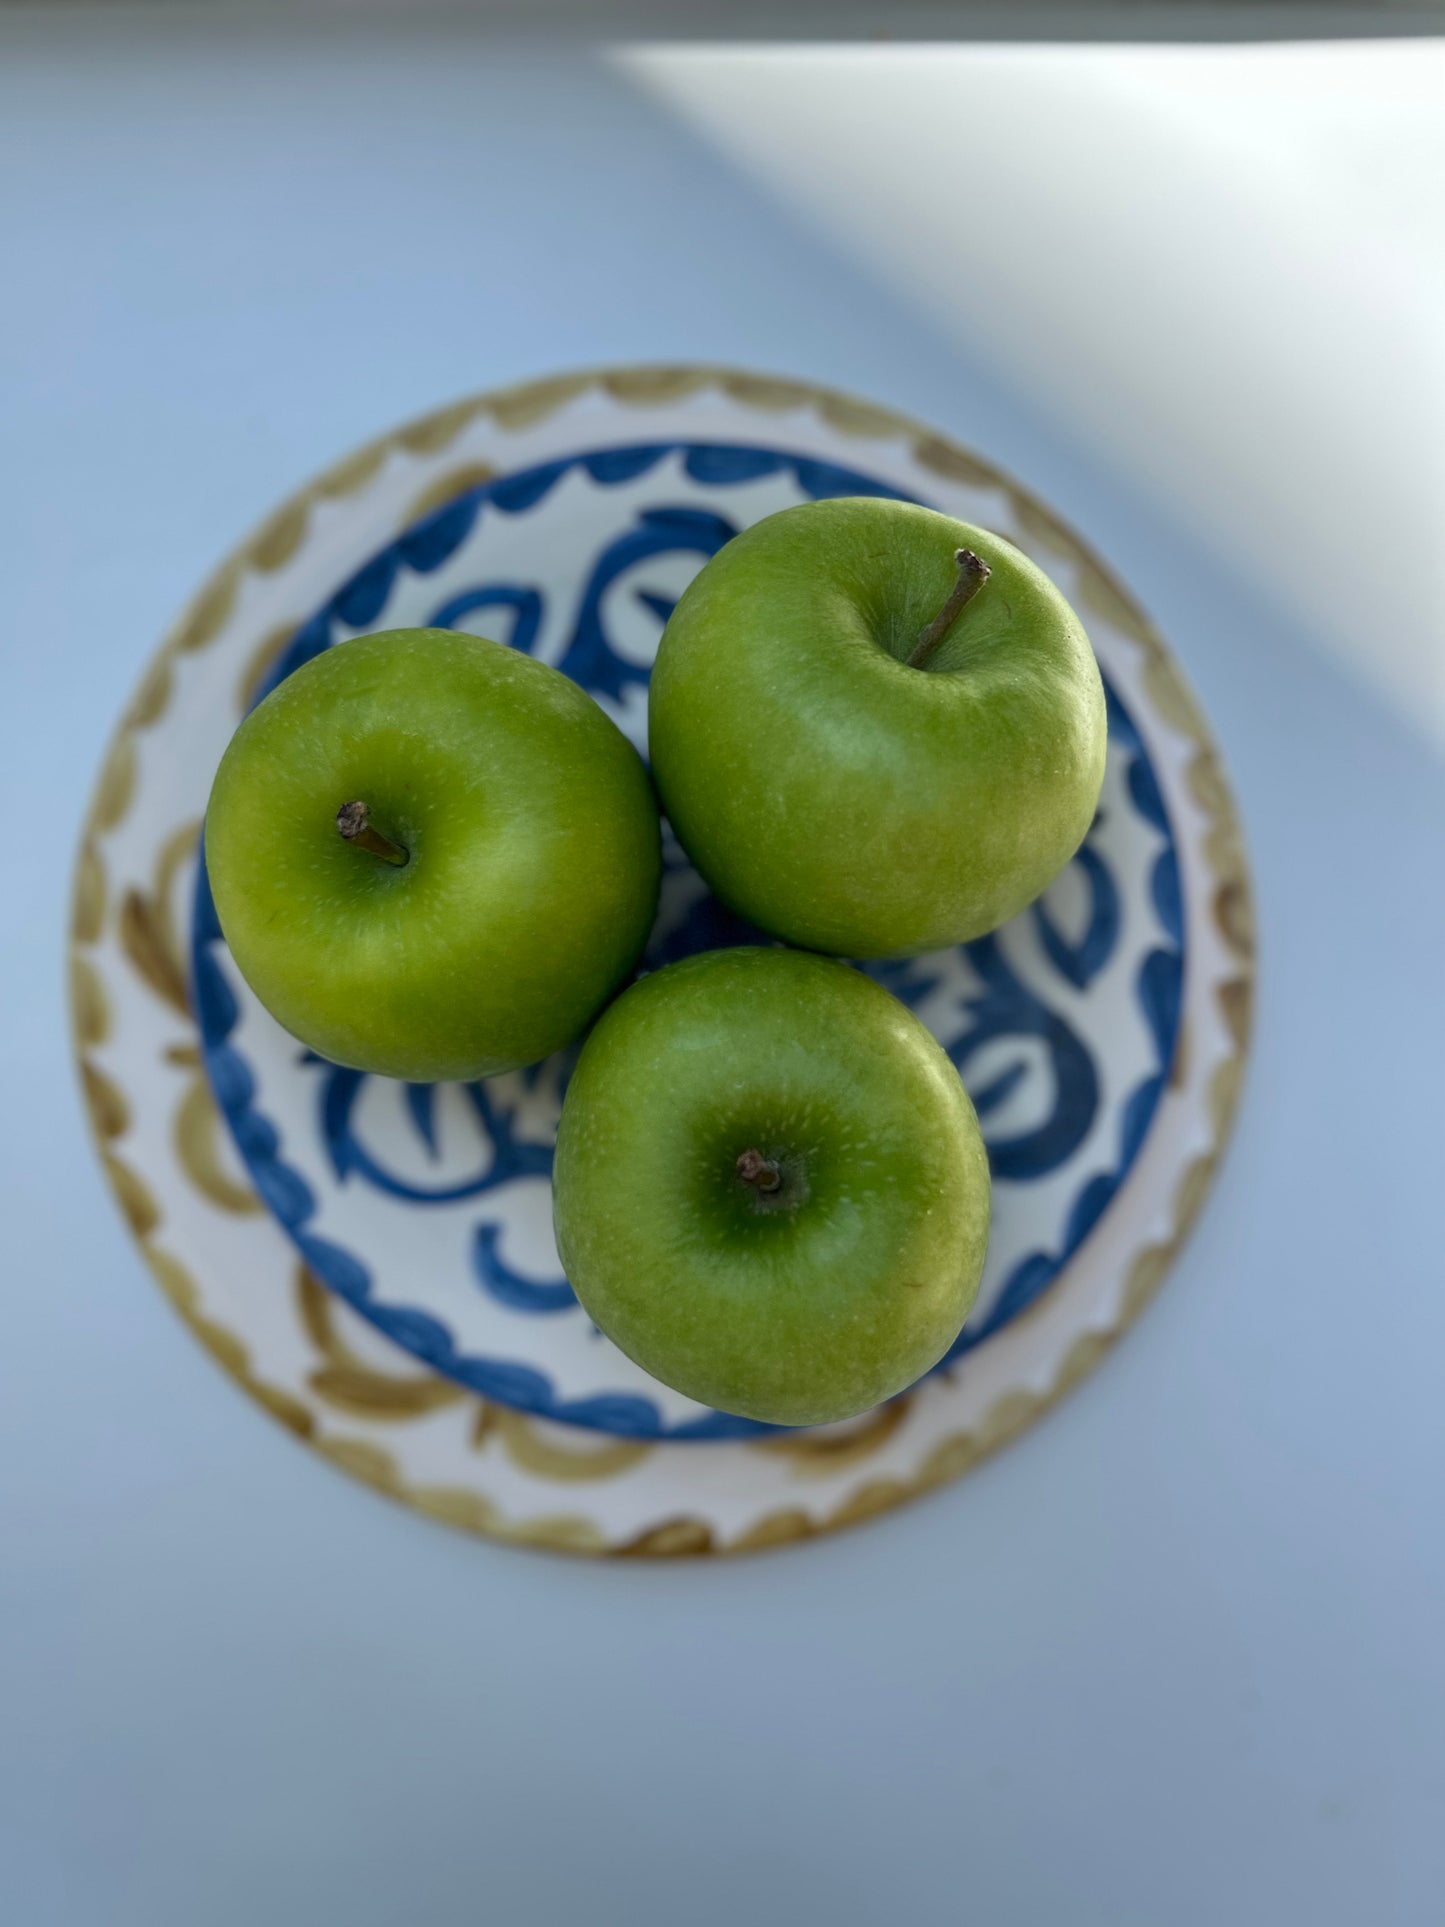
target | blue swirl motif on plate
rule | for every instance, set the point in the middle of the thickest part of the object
(1016, 1011)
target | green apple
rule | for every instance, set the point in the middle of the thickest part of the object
(770, 1189)
(431, 856)
(876, 730)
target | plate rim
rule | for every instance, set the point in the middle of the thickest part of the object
(277, 538)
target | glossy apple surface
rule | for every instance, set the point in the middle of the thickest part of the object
(770, 1189)
(531, 843)
(834, 794)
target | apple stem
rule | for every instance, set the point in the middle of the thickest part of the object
(973, 572)
(760, 1172)
(353, 823)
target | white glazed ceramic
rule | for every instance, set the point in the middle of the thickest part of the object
(1102, 1032)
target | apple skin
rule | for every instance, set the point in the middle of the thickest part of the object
(856, 1276)
(835, 796)
(534, 845)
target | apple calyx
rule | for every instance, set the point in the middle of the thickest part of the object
(353, 822)
(973, 572)
(760, 1172)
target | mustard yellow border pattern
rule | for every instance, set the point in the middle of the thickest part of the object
(152, 947)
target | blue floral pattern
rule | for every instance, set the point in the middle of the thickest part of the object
(1016, 1011)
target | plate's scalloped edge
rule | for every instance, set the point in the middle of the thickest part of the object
(150, 950)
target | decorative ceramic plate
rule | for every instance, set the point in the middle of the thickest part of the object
(330, 1223)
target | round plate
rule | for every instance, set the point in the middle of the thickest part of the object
(1102, 1033)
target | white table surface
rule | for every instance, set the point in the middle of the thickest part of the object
(1174, 1659)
